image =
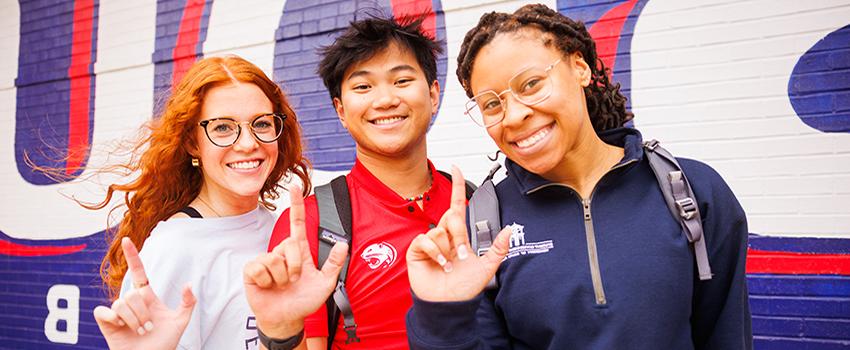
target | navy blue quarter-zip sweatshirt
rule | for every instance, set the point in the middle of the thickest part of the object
(613, 271)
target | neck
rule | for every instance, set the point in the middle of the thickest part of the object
(407, 175)
(215, 204)
(584, 165)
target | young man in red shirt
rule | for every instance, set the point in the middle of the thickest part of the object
(381, 75)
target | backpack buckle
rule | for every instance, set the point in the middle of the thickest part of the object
(484, 235)
(651, 144)
(331, 237)
(352, 334)
(687, 208)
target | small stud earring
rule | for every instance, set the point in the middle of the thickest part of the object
(196, 162)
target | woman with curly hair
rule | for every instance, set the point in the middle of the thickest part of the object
(591, 257)
(199, 206)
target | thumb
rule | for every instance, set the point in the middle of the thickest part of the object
(494, 257)
(336, 258)
(184, 311)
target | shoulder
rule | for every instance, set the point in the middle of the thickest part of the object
(169, 240)
(706, 182)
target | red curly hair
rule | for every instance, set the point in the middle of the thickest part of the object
(166, 180)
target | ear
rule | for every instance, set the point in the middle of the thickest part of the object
(434, 91)
(340, 111)
(581, 69)
(191, 148)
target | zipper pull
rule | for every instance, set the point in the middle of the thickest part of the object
(586, 204)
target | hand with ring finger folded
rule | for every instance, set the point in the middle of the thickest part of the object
(138, 319)
(284, 286)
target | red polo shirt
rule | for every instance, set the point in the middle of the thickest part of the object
(383, 225)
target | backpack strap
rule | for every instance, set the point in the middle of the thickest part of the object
(335, 226)
(470, 187)
(680, 200)
(192, 212)
(484, 220)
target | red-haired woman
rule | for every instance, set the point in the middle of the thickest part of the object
(208, 170)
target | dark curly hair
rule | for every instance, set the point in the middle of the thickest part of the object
(605, 104)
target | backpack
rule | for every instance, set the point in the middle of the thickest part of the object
(485, 223)
(334, 205)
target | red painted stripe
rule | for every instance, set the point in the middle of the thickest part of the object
(791, 263)
(80, 75)
(606, 32)
(415, 7)
(185, 49)
(14, 249)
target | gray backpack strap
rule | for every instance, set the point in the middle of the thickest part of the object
(484, 220)
(680, 200)
(335, 226)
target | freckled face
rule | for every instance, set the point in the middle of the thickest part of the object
(540, 136)
(238, 171)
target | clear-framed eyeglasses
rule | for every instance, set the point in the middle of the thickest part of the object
(530, 86)
(223, 132)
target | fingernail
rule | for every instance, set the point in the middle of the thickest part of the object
(448, 267)
(149, 326)
(121, 323)
(294, 278)
(441, 260)
(141, 331)
(462, 252)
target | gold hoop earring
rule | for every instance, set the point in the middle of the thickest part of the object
(196, 162)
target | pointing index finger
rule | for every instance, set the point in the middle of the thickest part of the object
(297, 224)
(134, 263)
(458, 191)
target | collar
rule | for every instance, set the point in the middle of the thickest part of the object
(629, 139)
(369, 183)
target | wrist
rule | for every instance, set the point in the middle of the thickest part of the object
(289, 343)
(281, 330)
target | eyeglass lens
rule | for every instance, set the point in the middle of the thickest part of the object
(224, 132)
(529, 87)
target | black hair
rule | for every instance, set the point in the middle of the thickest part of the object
(367, 37)
(605, 104)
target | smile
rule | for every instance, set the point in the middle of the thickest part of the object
(244, 164)
(389, 120)
(534, 138)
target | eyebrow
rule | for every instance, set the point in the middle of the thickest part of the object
(396, 69)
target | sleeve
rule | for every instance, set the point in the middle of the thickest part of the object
(315, 325)
(464, 325)
(168, 270)
(721, 313)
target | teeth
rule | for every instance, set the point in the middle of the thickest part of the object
(533, 139)
(245, 165)
(383, 121)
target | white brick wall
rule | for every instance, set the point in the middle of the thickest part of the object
(710, 79)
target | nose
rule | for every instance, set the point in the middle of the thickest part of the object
(246, 141)
(386, 98)
(515, 112)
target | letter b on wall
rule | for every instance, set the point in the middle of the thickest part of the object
(62, 324)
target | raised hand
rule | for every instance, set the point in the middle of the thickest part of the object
(441, 265)
(139, 320)
(283, 286)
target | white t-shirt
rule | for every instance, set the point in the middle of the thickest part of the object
(210, 253)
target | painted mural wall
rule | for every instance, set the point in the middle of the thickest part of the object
(759, 89)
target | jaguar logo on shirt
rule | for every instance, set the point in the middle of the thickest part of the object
(379, 255)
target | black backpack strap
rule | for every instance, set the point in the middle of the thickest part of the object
(470, 187)
(484, 218)
(334, 205)
(680, 200)
(192, 212)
